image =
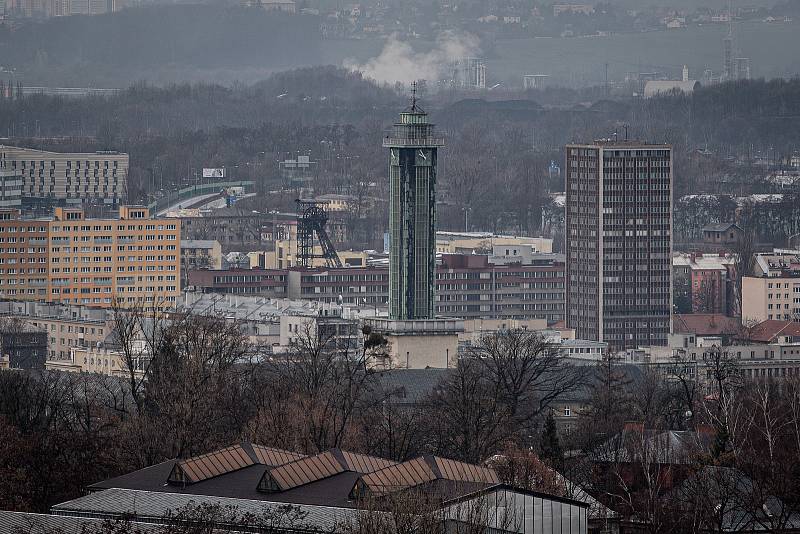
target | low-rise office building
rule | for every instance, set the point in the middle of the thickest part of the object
(771, 298)
(467, 286)
(704, 283)
(70, 177)
(470, 286)
(752, 361)
(268, 283)
(106, 360)
(284, 256)
(200, 254)
(485, 242)
(24, 349)
(67, 326)
(583, 349)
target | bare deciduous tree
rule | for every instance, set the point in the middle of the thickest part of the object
(527, 372)
(331, 385)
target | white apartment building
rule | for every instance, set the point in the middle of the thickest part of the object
(73, 176)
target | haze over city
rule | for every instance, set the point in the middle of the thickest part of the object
(369, 267)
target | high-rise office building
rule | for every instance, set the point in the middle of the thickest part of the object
(727, 49)
(412, 208)
(727, 58)
(619, 242)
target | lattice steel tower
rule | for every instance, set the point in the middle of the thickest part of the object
(311, 219)
(412, 148)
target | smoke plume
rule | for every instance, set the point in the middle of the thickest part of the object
(398, 62)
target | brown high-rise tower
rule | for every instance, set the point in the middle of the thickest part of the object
(619, 242)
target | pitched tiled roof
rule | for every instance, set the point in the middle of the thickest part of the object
(222, 461)
(326, 489)
(412, 385)
(768, 331)
(274, 457)
(420, 471)
(209, 465)
(312, 468)
(706, 324)
(720, 227)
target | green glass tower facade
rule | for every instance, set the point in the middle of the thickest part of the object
(412, 148)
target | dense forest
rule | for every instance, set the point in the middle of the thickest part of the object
(496, 167)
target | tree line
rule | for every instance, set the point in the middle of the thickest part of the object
(495, 171)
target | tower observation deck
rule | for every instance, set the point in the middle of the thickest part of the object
(412, 145)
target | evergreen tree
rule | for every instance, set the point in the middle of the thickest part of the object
(550, 445)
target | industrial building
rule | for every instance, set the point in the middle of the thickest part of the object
(469, 73)
(330, 492)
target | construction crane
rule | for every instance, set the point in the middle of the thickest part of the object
(311, 219)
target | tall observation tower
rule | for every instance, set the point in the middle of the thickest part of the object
(417, 339)
(412, 148)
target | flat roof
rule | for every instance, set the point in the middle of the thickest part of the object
(150, 505)
(75, 154)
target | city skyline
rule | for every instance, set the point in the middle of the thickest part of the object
(274, 304)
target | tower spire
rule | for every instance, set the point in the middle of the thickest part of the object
(414, 95)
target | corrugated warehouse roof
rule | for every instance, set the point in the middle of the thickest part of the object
(151, 506)
(28, 523)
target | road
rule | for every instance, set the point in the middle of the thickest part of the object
(211, 201)
(187, 202)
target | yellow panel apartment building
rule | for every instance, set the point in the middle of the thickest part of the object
(68, 258)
